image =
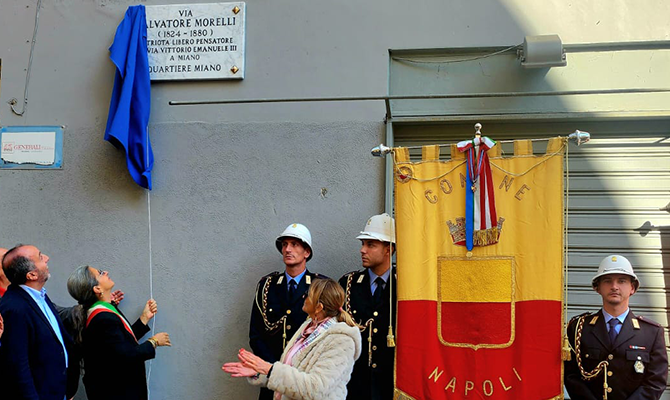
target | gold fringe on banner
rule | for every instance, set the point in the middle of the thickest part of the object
(399, 395)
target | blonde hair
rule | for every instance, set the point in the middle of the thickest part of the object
(331, 295)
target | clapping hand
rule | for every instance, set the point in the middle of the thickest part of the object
(150, 309)
(249, 365)
(2, 326)
(250, 360)
(237, 370)
(117, 296)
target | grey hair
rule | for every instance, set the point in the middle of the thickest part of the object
(80, 285)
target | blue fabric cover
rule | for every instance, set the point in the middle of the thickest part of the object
(127, 123)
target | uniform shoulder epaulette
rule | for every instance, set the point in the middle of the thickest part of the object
(648, 321)
(319, 276)
(576, 317)
(346, 276)
(269, 276)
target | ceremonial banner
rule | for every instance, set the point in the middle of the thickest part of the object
(485, 323)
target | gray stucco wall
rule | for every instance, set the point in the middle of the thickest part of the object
(228, 179)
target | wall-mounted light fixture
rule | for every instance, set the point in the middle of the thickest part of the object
(544, 51)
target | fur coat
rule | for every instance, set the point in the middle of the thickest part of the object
(320, 371)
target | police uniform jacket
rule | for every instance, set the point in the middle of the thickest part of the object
(273, 311)
(640, 342)
(371, 379)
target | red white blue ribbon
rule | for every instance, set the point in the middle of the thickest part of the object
(481, 226)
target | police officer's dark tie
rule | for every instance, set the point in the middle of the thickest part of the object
(613, 333)
(292, 288)
(377, 295)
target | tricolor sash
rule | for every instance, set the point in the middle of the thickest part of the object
(102, 306)
(481, 225)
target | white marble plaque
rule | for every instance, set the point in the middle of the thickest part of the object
(28, 147)
(196, 41)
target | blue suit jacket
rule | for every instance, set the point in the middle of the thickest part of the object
(32, 359)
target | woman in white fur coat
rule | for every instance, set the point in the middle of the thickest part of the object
(318, 360)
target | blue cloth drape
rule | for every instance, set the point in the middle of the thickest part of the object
(127, 123)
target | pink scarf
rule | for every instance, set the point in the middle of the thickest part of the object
(308, 335)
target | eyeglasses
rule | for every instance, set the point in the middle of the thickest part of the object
(102, 272)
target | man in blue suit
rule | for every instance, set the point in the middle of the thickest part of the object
(34, 352)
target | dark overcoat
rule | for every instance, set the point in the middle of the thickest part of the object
(114, 360)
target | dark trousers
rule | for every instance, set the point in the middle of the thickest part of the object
(266, 394)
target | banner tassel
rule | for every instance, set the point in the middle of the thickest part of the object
(566, 356)
(390, 339)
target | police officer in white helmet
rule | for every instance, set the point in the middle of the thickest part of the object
(370, 300)
(277, 309)
(615, 354)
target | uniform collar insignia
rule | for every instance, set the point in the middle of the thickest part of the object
(636, 323)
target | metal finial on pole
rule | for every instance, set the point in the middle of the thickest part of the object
(478, 129)
(381, 150)
(579, 137)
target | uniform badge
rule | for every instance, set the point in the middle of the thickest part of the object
(360, 278)
(593, 320)
(308, 280)
(280, 280)
(639, 367)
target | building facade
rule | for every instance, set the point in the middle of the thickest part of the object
(228, 178)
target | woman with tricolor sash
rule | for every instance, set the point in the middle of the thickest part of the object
(318, 360)
(113, 356)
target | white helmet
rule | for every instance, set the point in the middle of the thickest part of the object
(379, 227)
(300, 232)
(615, 264)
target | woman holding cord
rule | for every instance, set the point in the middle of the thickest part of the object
(113, 357)
(318, 360)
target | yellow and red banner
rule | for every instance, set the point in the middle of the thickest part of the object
(485, 324)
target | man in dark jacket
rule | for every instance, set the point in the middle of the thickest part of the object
(277, 309)
(34, 353)
(370, 299)
(633, 347)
